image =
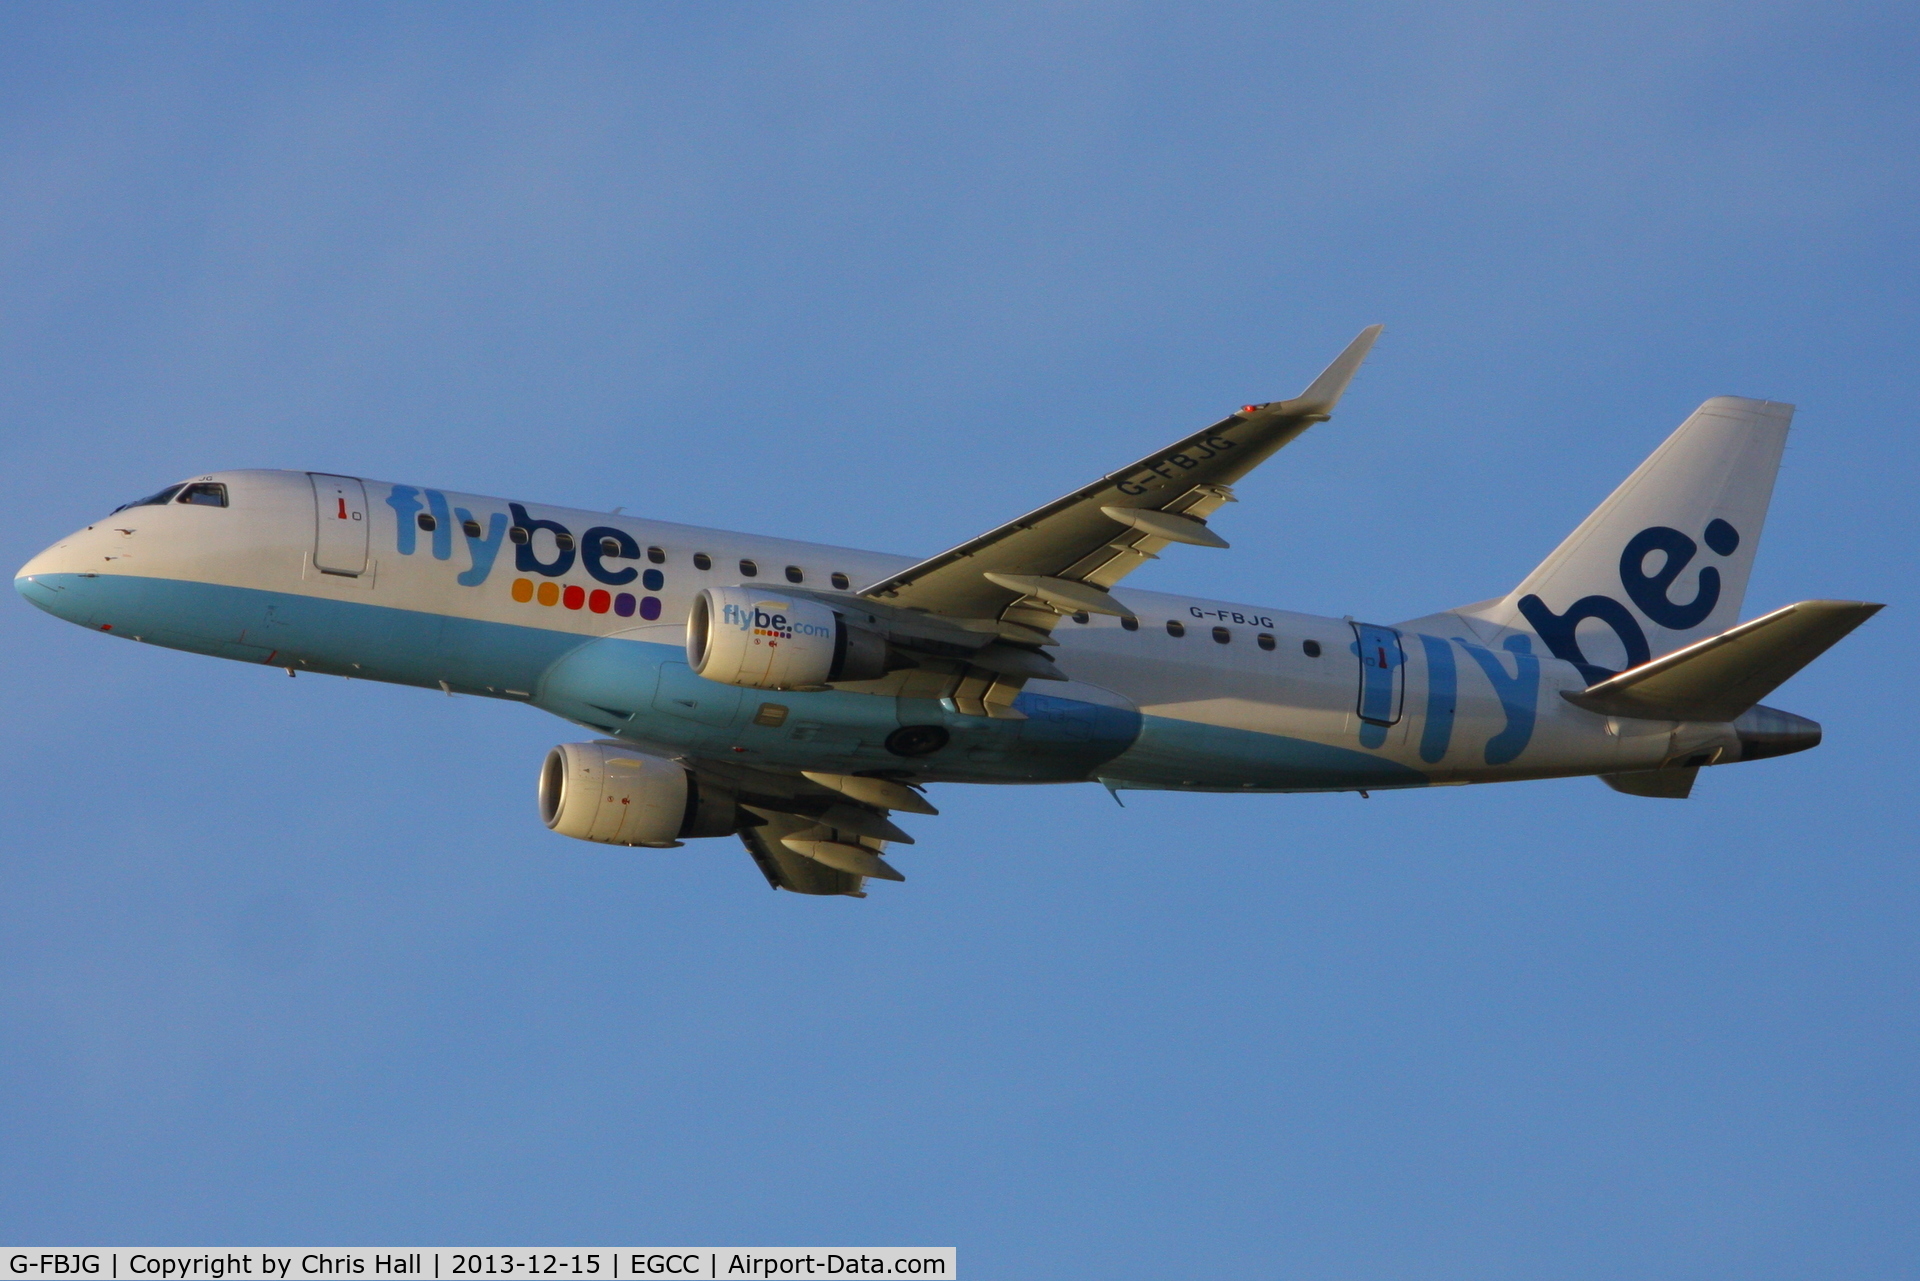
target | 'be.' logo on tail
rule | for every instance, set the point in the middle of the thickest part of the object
(1647, 591)
(1694, 509)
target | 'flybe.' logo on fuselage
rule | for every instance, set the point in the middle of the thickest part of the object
(592, 551)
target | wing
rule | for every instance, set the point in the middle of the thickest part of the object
(1062, 558)
(814, 833)
(788, 870)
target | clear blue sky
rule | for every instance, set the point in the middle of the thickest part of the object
(294, 961)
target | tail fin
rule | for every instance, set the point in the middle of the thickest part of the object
(1664, 561)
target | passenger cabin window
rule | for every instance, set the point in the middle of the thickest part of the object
(471, 528)
(1176, 628)
(1222, 636)
(519, 534)
(563, 541)
(1310, 648)
(1264, 640)
(425, 522)
(610, 547)
(1131, 624)
(749, 570)
(153, 500)
(702, 561)
(841, 582)
(204, 494)
(794, 575)
(658, 555)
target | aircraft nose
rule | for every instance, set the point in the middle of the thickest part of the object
(35, 592)
(1768, 731)
(64, 557)
(50, 593)
(55, 581)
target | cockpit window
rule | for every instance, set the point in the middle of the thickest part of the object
(204, 494)
(153, 500)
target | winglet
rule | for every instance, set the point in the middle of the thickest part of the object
(1332, 382)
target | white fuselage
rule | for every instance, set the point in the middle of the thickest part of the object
(1202, 694)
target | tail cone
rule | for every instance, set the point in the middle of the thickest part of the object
(1767, 731)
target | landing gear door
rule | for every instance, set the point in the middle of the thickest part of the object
(340, 525)
(1382, 673)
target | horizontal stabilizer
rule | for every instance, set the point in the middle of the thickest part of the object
(1666, 784)
(1719, 678)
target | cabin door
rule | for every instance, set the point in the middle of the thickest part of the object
(1382, 673)
(340, 525)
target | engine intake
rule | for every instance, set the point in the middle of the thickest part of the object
(610, 794)
(764, 640)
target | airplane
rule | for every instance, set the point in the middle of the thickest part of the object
(800, 696)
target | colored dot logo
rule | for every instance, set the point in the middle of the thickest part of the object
(598, 601)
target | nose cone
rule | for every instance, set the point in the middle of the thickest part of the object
(33, 590)
(56, 581)
(57, 595)
(1768, 731)
(36, 592)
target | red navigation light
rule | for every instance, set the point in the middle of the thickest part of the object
(1248, 409)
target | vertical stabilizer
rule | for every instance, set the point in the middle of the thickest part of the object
(1664, 561)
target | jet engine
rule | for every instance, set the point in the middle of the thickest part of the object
(611, 794)
(764, 639)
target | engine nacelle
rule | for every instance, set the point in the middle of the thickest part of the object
(764, 640)
(607, 793)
